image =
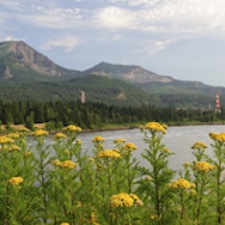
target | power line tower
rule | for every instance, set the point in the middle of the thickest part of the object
(218, 108)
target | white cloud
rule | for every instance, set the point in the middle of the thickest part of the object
(167, 19)
(126, 2)
(190, 15)
(66, 42)
(113, 18)
(56, 18)
(154, 46)
(12, 5)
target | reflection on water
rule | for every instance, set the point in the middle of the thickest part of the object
(178, 139)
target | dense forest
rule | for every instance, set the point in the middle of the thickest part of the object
(96, 115)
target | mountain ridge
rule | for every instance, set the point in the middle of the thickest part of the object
(24, 69)
(129, 73)
(17, 55)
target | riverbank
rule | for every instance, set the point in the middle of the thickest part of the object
(106, 127)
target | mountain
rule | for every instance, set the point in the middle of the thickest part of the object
(26, 74)
(163, 91)
(133, 74)
(20, 62)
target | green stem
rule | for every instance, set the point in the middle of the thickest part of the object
(182, 211)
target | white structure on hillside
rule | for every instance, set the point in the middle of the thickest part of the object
(83, 97)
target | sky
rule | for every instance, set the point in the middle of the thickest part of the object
(184, 39)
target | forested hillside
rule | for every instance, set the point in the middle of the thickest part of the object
(96, 115)
(27, 75)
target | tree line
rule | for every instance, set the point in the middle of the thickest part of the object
(92, 115)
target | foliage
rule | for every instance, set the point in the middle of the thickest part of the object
(62, 183)
(96, 115)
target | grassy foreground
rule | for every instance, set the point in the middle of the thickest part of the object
(108, 187)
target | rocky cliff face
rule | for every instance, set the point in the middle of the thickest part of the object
(140, 75)
(22, 54)
(132, 74)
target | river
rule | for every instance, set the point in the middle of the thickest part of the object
(178, 139)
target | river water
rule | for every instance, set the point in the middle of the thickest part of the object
(178, 139)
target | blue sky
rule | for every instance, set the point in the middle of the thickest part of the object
(184, 39)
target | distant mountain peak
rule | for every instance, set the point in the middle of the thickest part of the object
(21, 56)
(26, 55)
(129, 73)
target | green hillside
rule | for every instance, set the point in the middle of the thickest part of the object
(26, 74)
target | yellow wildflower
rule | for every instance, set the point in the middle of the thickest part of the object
(130, 146)
(27, 153)
(166, 150)
(204, 166)
(14, 135)
(121, 200)
(119, 141)
(64, 223)
(181, 184)
(147, 178)
(56, 162)
(59, 135)
(139, 202)
(72, 128)
(4, 139)
(68, 164)
(15, 181)
(98, 139)
(217, 137)
(193, 192)
(22, 129)
(199, 145)
(135, 197)
(108, 153)
(91, 160)
(154, 127)
(78, 142)
(186, 164)
(39, 133)
(14, 148)
(10, 148)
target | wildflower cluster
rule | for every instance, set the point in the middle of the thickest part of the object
(98, 139)
(130, 147)
(217, 137)
(15, 181)
(39, 133)
(165, 150)
(14, 135)
(67, 164)
(119, 141)
(154, 127)
(187, 164)
(78, 142)
(108, 153)
(181, 183)
(203, 166)
(59, 135)
(123, 200)
(62, 184)
(9, 148)
(199, 145)
(5, 140)
(72, 128)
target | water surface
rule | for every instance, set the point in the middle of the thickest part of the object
(178, 139)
